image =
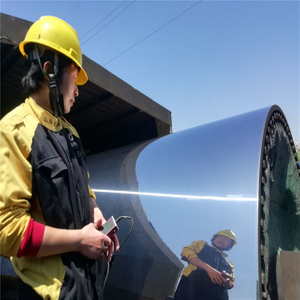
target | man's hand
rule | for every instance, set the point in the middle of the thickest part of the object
(99, 220)
(94, 244)
(215, 276)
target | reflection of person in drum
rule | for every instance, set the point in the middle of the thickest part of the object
(209, 274)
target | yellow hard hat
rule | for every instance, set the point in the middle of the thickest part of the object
(56, 34)
(227, 233)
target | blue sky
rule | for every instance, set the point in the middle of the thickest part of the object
(202, 60)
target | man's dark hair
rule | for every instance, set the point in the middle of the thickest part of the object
(35, 78)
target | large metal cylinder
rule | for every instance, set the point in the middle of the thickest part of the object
(240, 173)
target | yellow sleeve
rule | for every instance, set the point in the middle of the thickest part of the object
(193, 249)
(232, 278)
(16, 184)
(91, 193)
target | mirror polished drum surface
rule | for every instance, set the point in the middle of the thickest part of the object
(204, 180)
(186, 187)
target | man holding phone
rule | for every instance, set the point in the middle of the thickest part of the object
(49, 218)
(209, 273)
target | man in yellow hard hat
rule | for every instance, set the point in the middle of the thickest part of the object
(209, 274)
(49, 217)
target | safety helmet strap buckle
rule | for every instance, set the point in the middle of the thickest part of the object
(56, 100)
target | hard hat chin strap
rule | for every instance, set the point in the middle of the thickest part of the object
(221, 249)
(56, 99)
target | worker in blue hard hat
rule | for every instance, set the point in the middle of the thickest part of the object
(209, 274)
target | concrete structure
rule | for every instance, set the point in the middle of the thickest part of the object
(288, 275)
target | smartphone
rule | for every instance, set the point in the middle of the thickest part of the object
(110, 227)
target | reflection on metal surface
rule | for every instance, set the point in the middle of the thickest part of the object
(222, 164)
(188, 197)
(209, 274)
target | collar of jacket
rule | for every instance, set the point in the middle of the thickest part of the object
(224, 254)
(45, 117)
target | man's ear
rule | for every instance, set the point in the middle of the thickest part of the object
(47, 67)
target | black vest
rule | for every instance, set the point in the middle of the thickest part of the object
(61, 184)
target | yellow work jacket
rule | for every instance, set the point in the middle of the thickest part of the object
(21, 144)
